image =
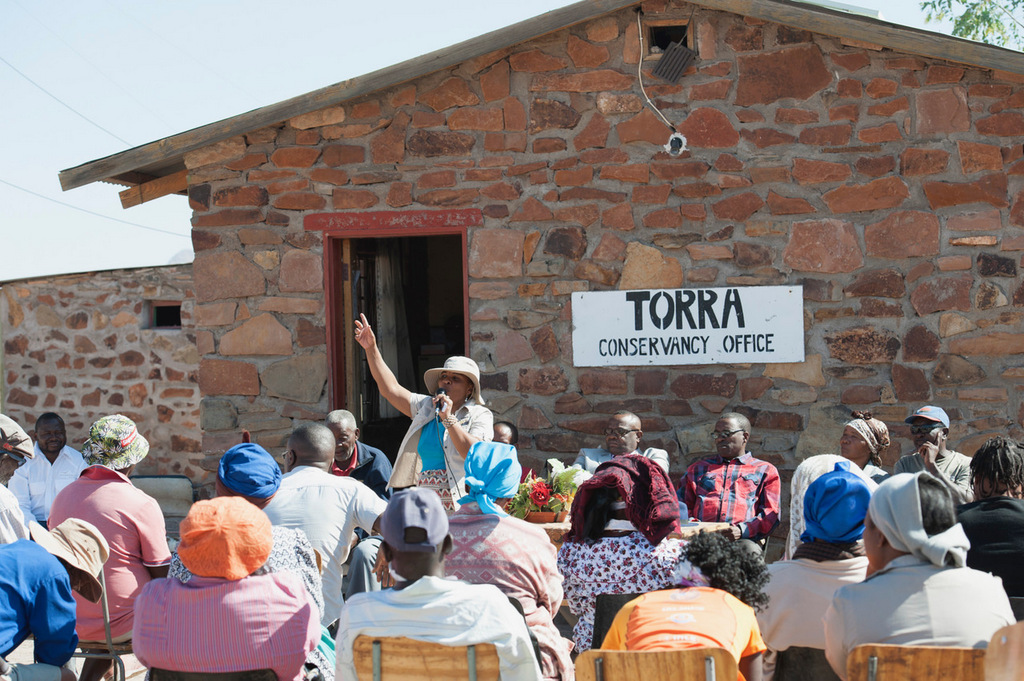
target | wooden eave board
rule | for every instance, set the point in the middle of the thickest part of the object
(164, 156)
(182, 143)
(839, 24)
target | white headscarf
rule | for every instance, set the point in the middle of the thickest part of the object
(895, 509)
(809, 470)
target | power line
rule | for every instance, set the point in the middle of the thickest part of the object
(205, 66)
(64, 104)
(99, 215)
(97, 69)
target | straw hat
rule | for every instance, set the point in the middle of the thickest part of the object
(80, 545)
(456, 365)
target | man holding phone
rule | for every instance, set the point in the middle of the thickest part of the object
(929, 428)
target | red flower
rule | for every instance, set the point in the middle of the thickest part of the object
(540, 494)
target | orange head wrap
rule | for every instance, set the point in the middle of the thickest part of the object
(225, 537)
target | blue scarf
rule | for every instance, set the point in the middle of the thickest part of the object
(492, 472)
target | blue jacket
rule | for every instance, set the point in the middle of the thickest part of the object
(35, 598)
(372, 469)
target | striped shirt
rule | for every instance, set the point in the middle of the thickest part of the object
(212, 625)
(743, 491)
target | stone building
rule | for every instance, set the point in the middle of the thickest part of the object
(461, 197)
(99, 343)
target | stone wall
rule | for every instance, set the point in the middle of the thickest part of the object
(84, 346)
(886, 184)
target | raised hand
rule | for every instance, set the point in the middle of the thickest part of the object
(364, 334)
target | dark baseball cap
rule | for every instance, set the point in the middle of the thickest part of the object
(415, 507)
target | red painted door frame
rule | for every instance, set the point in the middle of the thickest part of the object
(372, 225)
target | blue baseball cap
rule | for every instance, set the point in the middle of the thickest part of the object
(931, 413)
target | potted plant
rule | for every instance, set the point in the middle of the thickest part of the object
(548, 499)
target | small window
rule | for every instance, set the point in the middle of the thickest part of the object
(663, 32)
(166, 314)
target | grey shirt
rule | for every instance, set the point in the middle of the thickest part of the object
(955, 466)
(913, 602)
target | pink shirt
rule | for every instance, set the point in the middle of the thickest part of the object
(133, 525)
(211, 625)
(519, 559)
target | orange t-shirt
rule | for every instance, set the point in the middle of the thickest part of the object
(695, 617)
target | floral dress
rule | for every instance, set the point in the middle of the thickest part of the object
(612, 565)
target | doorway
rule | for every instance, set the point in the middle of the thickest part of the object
(412, 290)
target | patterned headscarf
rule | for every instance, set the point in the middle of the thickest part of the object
(115, 442)
(874, 432)
(651, 503)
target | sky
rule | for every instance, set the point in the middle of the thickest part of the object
(83, 79)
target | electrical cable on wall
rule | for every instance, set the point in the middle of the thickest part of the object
(676, 142)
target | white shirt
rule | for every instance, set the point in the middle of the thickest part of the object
(476, 420)
(911, 602)
(37, 482)
(443, 611)
(12, 520)
(327, 508)
(589, 459)
(800, 592)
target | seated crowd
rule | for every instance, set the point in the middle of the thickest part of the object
(283, 570)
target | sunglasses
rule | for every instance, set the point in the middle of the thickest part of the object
(620, 432)
(924, 430)
(722, 434)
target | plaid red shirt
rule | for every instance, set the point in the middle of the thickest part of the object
(743, 491)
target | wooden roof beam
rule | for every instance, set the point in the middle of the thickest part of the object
(182, 143)
(836, 23)
(154, 189)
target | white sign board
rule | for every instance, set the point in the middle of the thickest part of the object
(740, 325)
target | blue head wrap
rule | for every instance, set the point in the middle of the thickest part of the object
(492, 472)
(249, 470)
(834, 507)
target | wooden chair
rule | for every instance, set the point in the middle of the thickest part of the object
(174, 493)
(254, 675)
(1004, 659)
(107, 649)
(803, 664)
(404, 659)
(879, 662)
(1017, 605)
(606, 607)
(710, 664)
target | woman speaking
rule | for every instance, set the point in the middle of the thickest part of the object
(445, 424)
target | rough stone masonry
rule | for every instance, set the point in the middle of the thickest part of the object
(887, 184)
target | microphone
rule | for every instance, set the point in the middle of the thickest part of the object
(437, 407)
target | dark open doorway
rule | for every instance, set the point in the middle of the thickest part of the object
(412, 291)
